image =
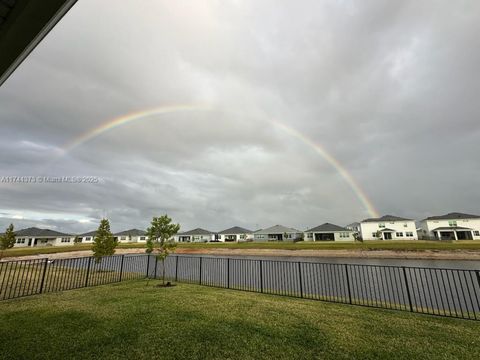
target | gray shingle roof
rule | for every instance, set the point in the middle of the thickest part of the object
(453, 216)
(277, 229)
(197, 231)
(90, 233)
(131, 232)
(36, 232)
(236, 230)
(387, 218)
(327, 227)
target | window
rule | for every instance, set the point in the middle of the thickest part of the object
(452, 223)
(88, 238)
(309, 235)
(20, 241)
(381, 225)
(399, 234)
(476, 233)
(142, 237)
(123, 238)
(405, 225)
(344, 235)
(65, 240)
(409, 234)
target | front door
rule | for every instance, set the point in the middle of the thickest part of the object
(387, 236)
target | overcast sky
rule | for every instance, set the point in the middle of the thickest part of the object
(388, 88)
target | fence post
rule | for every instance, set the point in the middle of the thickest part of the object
(148, 265)
(121, 268)
(300, 278)
(408, 288)
(200, 272)
(43, 275)
(88, 271)
(348, 284)
(261, 276)
(176, 268)
(155, 273)
(228, 273)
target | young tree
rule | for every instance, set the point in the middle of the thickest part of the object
(104, 243)
(7, 240)
(159, 241)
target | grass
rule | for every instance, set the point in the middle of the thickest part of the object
(24, 278)
(132, 320)
(403, 245)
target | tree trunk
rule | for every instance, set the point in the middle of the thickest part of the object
(163, 271)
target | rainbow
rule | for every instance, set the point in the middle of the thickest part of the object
(319, 149)
(143, 114)
(127, 118)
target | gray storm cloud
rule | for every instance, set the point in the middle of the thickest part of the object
(387, 88)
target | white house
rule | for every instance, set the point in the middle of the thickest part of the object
(87, 237)
(131, 236)
(388, 227)
(42, 237)
(355, 227)
(235, 233)
(195, 235)
(278, 233)
(329, 232)
(451, 226)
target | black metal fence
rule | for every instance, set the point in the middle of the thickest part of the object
(30, 277)
(443, 292)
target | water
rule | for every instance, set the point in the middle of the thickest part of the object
(427, 263)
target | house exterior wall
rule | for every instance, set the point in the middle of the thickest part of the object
(368, 229)
(239, 237)
(22, 241)
(338, 235)
(428, 225)
(265, 237)
(194, 238)
(87, 239)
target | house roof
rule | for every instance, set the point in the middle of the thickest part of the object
(197, 231)
(451, 228)
(353, 224)
(131, 232)
(386, 218)
(277, 229)
(453, 216)
(90, 233)
(236, 230)
(36, 232)
(327, 227)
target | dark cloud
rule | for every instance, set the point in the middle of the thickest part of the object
(387, 88)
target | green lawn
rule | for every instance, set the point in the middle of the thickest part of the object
(404, 245)
(132, 320)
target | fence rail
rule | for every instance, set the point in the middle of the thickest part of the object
(442, 292)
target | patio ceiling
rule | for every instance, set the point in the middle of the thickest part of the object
(23, 24)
